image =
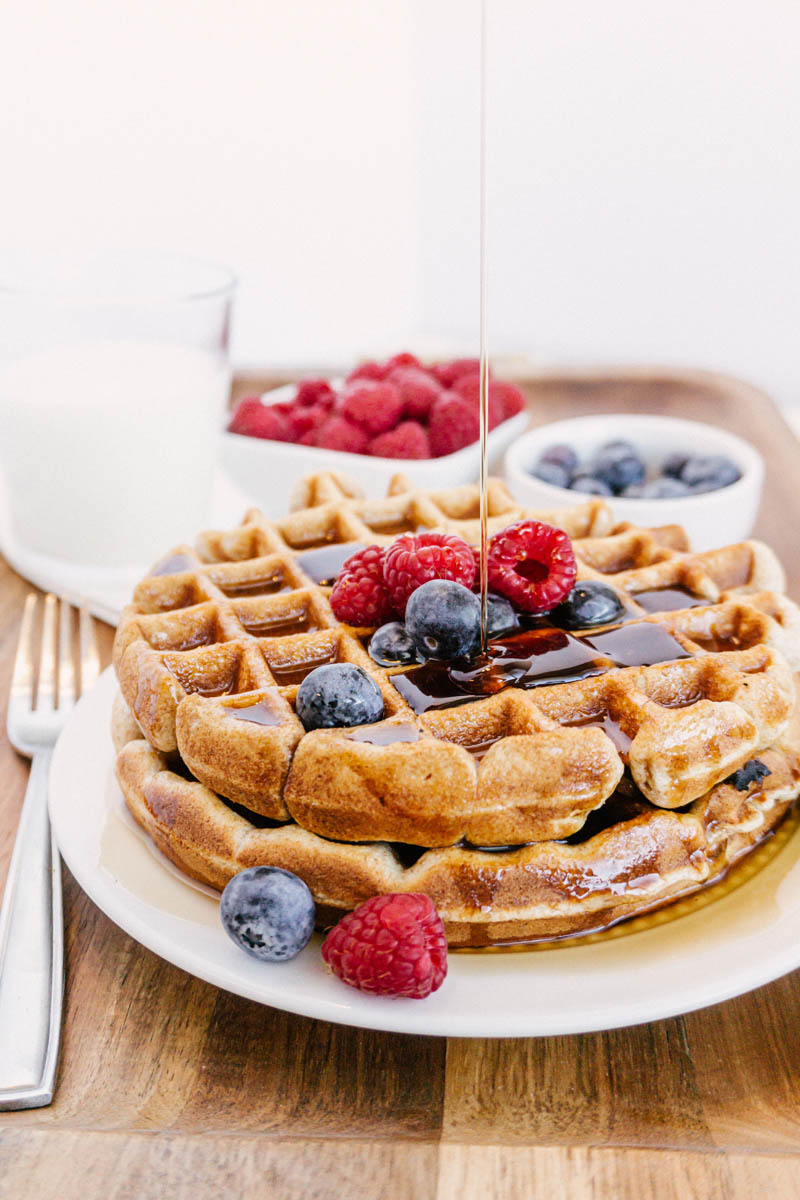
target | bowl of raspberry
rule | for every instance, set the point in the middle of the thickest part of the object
(384, 418)
(651, 470)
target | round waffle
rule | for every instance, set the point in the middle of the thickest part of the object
(580, 780)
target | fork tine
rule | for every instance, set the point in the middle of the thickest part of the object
(46, 690)
(67, 691)
(90, 659)
(22, 678)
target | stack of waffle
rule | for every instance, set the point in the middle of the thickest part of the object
(581, 778)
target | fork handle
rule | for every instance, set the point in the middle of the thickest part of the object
(31, 954)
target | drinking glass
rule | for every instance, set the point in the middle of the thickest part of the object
(114, 375)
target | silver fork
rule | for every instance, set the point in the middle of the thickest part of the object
(31, 922)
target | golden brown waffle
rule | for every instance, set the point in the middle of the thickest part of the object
(690, 688)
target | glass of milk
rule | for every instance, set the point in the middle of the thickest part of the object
(114, 376)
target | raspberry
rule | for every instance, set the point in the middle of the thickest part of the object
(337, 433)
(376, 406)
(448, 372)
(511, 397)
(391, 946)
(368, 370)
(413, 559)
(315, 391)
(360, 596)
(532, 564)
(418, 389)
(454, 423)
(254, 419)
(469, 389)
(401, 360)
(306, 418)
(408, 440)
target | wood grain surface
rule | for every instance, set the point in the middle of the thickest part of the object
(169, 1087)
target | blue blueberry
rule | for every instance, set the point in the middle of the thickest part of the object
(710, 472)
(674, 465)
(753, 771)
(392, 646)
(619, 465)
(587, 605)
(585, 481)
(562, 455)
(501, 616)
(268, 912)
(665, 488)
(552, 473)
(338, 694)
(444, 619)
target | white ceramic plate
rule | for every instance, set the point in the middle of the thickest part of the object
(731, 945)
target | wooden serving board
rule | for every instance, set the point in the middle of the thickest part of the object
(169, 1088)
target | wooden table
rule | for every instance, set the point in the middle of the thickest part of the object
(171, 1088)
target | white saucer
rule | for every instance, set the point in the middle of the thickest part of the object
(733, 944)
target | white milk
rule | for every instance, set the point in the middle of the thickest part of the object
(107, 448)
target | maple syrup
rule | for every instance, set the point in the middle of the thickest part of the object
(317, 540)
(668, 599)
(610, 727)
(395, 527)
(638, 644)
(264, 585)
(385, 735)
(259, 712)
(282, 625)
(324, 563)
(288, 674)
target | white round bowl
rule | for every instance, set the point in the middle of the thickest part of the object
(709, 518)
(266, 471)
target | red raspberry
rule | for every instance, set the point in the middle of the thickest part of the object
(454, 423)
(315, 391)
(418, 389)
(401, 360)
(413, 559)
(360, 596)
(391, 946)
(376, 406)
(306, 418)
(337, 433)
(532, 564)
(368, 370)
(408, 440)
(254, 419)
(448, 372)
(469, 389)
(512, 398)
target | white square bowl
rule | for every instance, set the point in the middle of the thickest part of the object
(266, 471)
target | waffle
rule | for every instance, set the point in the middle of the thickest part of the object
(578, 780)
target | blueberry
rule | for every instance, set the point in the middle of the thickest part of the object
(444, 619)
(618, 465)
(588, 604)
(752, 772)
(674, 465)
(561, 456)
(501, 616)
(392, 646)
(268, 912)
(665, 488)
(552, 473)
(584, 481)
(338, 694)
(709, 473)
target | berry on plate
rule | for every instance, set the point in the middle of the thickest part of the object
(338, 695)
(552, 473)
(254, 419)
(418, 388)
(501, 617)
(532, 565)
(588, 604)
(454, 423)
(408, 440)
(392, 646)
(584, 481)
(709, 473)
(561, 454)
(618, 464)
(444, 619)
(413, 559)
(448, 372)
(469, 389)
(314, 391)
(360, 596)
(390, 946)
(268, 912)
(337, 433)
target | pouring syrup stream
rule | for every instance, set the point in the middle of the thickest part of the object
(484, 332)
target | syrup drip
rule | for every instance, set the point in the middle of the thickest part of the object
(668, 599)
(287, 674)
(325, 563)
(280, 626)
(385, 735)
(638, 644)
(260, 713)
(609, 726)
(265, 585)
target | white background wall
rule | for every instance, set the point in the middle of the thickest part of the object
(645, 167)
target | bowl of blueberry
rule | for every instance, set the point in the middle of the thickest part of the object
(652, 470)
